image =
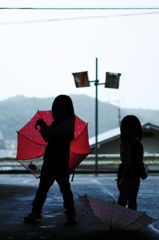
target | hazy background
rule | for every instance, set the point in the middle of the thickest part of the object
(39, 49)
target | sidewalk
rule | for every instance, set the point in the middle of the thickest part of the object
(17, 192)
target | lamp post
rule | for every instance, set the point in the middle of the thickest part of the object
(96, 119)
(111, 81)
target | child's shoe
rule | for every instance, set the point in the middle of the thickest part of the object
(32, 217)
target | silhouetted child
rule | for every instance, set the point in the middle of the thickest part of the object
(56, 158)
(132, 167)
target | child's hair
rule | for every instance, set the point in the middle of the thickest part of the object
(68, 101)
(127, 123)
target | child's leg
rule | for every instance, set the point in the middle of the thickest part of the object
(64, 184)
(124, 192)
(120, 175)
(134, 188)
(46, 181)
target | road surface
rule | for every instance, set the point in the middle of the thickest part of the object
(17, 192)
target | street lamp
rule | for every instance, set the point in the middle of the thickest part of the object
(111, 81)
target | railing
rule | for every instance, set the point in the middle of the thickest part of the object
(110, 163)
(107, 163)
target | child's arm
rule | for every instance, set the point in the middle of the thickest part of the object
(66, 126)
(45, 135)
(125, 151)
(143, 172)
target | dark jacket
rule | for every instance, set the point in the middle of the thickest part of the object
(57, 151)
(136, 159)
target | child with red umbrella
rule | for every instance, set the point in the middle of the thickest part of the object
(56, 158)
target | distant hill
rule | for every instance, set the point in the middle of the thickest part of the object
(15, 112)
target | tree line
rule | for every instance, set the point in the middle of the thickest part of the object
(15, 112)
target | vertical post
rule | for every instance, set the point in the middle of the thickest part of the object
(96, 120)
(119, 115)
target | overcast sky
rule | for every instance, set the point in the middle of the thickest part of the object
(38, 56)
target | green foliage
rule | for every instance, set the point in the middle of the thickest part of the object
(15, 112)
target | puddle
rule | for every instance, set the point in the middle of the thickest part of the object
(47, 215)
(52, 215)
(48, 226)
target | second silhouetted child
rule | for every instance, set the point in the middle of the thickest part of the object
(132, 167)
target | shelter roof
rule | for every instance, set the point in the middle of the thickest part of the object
(115, 133)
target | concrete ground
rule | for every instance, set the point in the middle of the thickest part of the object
(17, 192)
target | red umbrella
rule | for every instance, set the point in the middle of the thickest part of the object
(31, 145)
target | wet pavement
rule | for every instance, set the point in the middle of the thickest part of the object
(17, 192)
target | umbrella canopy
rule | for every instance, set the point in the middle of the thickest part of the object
(31, 146)
(115, 215)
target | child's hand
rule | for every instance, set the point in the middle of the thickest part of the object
(39, 122)
(143, 175)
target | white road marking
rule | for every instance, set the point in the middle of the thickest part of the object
(26, 181)
(104, 189)
(152, 228)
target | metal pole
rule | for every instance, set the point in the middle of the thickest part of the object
(119, 116)
(96, 120)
